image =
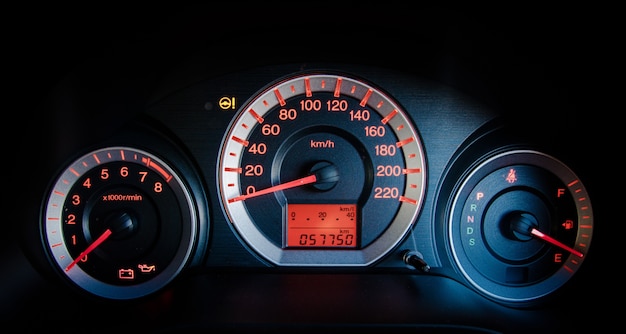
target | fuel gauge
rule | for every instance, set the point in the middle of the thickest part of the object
(520, 227)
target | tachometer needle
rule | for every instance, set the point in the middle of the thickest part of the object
(535, 232)
(291, 184)
(89, 249)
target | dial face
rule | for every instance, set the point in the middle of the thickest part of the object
(521, 226)
(321, 169)
(119, 223)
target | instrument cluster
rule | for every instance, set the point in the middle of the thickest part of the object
(318, 166)
(329, 169)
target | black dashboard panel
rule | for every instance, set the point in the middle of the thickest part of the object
(410, 119)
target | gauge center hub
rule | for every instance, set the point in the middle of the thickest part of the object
(327, 175)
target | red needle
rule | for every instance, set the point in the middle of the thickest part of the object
(555, 242)
(89, 249)
(291, 184)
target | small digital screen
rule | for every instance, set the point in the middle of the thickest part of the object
(322, 225)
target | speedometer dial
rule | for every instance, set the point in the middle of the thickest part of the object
(321, 169)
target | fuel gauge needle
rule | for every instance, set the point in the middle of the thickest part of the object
(89, 249)
(535, 232)
(291, 184)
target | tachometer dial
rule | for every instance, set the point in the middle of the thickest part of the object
(321, 169)
(521, 226)
(120, 223)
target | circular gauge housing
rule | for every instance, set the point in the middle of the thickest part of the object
(120, 223)
(520, 226)
(321, 169)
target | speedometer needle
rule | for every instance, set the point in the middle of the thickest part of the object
(535, 232)
(89, 249)
(291, 184)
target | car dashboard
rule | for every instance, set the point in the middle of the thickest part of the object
(444, 183)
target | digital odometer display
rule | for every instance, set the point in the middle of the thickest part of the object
(321, 225)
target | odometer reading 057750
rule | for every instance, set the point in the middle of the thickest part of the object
(321, 225)
(321, 169)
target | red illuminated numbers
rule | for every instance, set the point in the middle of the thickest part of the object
(337, 105)
(258, 148)
(326, 239)
(386, 192)
(375, 131)
(287, 114)
(71, 219)
(253, 170)
(388, 170)
(360, 115)
(76, 200)
(311, 105)
(104, 173)
(270, 129)
(385, 150)
(331, 105)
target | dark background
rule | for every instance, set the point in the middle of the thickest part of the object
(548, 67)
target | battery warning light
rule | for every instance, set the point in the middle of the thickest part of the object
(227, 103)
